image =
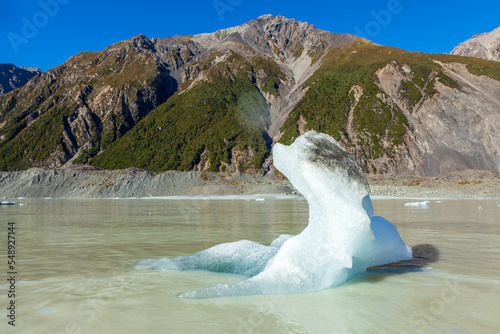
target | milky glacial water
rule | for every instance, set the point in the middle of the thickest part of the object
(75, 272)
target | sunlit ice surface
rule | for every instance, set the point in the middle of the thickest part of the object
(341, 240)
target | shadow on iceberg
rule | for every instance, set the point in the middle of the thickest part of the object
(342, 239)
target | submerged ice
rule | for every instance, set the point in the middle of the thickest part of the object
(341, 240)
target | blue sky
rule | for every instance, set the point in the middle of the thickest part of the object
(44, 33)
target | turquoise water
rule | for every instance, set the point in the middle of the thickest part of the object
(75, 272)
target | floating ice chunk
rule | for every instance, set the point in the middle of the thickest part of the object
(260, 199)
(22, 204)
(439, 202)
(424, 203)
(241, 257)
(341, 240)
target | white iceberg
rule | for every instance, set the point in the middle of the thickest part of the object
(424, 203)
(341, 240)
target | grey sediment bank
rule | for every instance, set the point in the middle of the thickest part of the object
(88, 182)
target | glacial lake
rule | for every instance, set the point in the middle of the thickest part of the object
(75, 273)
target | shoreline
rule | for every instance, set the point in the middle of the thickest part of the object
(90, 183)
(468, 184)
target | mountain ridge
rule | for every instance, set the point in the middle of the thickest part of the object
(218, 101)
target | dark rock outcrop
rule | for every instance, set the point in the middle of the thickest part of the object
(12, 77)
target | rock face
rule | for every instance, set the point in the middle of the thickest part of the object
(296, 47)
(12, 77)
(484, 46)
(219, 101)
(455, 128)
(401, 112)
(293, 48)
(76, 109)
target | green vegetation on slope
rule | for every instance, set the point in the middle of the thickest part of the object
(327, 103)
(273, 74)
(36, 143)
(329, 99)
(56, 99)
(491, 70)
(212, 121)
(213, 117)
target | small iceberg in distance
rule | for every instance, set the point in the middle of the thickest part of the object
(423, 204)
(341, 240)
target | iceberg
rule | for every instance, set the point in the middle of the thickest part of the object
(341, 240)
(423, 204)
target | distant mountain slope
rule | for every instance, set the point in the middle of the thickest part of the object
(96, 97)
(12, 77)
(219, 101)
(404, 112)
(484, 46)
(76, 109)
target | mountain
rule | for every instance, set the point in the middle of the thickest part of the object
(484, 46)
(226, 92)
(219, 101)
(12, 77)
(76, 109)
(404, 112)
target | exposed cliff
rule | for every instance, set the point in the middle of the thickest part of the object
(76, 109)
(484, 46)
(403, 112)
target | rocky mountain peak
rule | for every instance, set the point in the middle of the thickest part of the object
(485, 46)
(12, 76)
(273, 34)
(141, 42)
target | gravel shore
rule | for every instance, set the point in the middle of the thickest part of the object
(88, 182)
(472, 184)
